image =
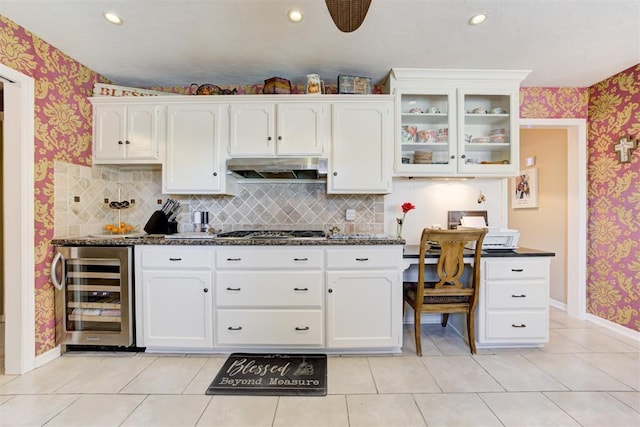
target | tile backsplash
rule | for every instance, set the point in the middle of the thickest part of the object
(80, 192)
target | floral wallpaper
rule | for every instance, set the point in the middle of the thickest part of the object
(553, 103)
(613, 266)
(62, 132)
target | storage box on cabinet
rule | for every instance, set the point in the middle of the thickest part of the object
(265, 327)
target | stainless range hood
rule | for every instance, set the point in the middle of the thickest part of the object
(279, 167)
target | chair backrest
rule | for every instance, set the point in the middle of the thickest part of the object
(450, 265)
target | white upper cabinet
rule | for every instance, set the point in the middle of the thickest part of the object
(362, 146)
(125, 133)
(290, 128)
(456, 122)
(194, 136)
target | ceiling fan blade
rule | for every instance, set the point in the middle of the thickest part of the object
(348, 15)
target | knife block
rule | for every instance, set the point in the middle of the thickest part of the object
(158, 224)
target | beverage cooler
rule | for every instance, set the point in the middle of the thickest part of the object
(93, 295)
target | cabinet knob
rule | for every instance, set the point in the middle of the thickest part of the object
(304, 328)
(120, 143)
(330, 291)
(463, 156)
(453, 157)
(215, 174)
(335, 174)
(206, 290)
(268, 138)
(231, 328)
(127, 142)
(279, 138)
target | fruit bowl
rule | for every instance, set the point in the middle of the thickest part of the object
(120, 228)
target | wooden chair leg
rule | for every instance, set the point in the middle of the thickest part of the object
(416, 328)
(445, 319)
(471, 332)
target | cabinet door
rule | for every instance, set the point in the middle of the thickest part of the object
(361, 150)
(177, 309)
(109, 133)
(302, 129)
(193, 164)
(364, 309)
(252, 129)
(142, 142)
(427, 139)
(489, 135)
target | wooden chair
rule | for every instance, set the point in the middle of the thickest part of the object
(448, 294)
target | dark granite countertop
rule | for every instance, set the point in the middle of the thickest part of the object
(413, 251)
(161, 240)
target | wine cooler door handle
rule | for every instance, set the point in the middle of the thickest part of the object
(54, 279)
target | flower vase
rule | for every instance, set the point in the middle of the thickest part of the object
(399, 228)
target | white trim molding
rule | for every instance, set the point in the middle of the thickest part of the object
(19, 223)
(576, 305)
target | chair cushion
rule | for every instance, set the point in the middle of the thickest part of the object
(410, 295)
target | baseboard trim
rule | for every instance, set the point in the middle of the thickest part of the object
(622, 330)
(558, 304)
(48, 356)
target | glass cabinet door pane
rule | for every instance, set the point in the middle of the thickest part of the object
(486, 127)
(427, 131)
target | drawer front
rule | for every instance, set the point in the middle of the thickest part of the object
(270, 258)
(531, 325)
(269, 288)
(516, 294)
(363, 258)
(517, 269)
(175, 257)
(269, 327)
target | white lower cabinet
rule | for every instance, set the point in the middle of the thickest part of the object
(364, 298)
(513, 307)
(269, 297)
(174, 297)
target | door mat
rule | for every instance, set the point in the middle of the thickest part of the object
(272, 375)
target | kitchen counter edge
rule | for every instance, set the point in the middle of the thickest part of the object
(120, 241)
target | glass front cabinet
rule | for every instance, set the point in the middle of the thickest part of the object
(456, 122)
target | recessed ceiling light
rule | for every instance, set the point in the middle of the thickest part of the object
(112, 17)
(478, 19)
(295, 15)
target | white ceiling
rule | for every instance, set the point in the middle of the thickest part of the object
(566, 43)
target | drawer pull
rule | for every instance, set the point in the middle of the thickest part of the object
(306, 328)
(175, 259)
(234, 259)
(362, 259)
(522, 325)
(234, 289)
(301, 259)
(519, 296)
(238, 328)
(517, 270)
(300, 289)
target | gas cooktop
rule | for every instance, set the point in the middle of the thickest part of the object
(273, 234)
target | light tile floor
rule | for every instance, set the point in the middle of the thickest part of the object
(585, 376)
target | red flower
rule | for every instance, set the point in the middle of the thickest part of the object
(406, 207)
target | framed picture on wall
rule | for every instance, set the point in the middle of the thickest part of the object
(525, 189)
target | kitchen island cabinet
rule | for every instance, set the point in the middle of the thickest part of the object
(126, 134)
(173, 298)
(293, 128)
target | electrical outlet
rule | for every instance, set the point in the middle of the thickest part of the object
(350, 214)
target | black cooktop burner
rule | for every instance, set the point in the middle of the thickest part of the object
(274, 234)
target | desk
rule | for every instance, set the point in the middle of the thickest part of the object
(513, 300)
